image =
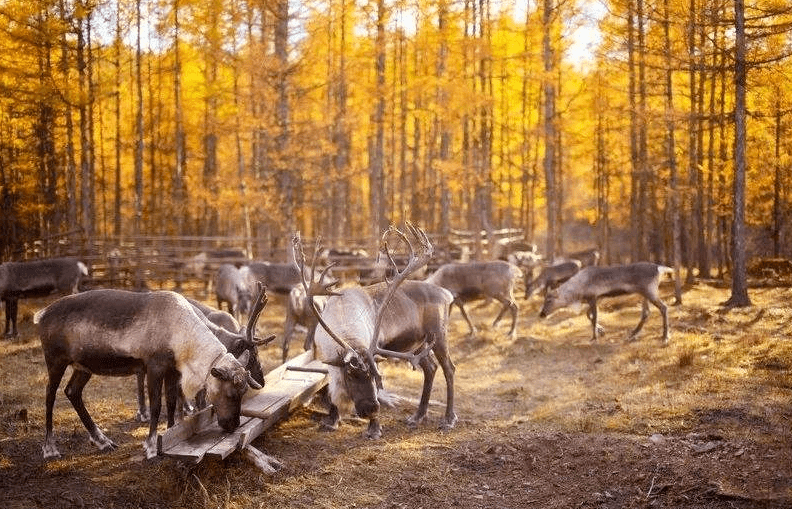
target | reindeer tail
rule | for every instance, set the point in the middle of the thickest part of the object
(39, 315)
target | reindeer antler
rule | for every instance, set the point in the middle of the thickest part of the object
(316, 287)
(415, 262)
(258, 307)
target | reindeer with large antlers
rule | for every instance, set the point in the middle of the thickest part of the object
(397, 318)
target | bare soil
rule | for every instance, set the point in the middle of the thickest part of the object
(549, 420)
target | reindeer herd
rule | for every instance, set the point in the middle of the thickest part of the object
(197, 354)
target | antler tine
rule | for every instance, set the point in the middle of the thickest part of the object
(258, 307)
(415, 357)
(300, 257)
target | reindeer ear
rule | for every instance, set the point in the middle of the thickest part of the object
(243, 359)
(221, 374)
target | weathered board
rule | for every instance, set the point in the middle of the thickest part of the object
(286, 388)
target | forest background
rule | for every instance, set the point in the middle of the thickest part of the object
(261, 117)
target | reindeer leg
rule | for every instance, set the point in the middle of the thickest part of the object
(288, 330)
(374, 430)
(592, 312)
(441, 352)
(155, 379)
(11, 307)
(49, 448)
(663, 311)
(331, 421)
(429, 368)
(644, 315)
(142, 413)
(465, 316)
(173, 393)
(74, 391)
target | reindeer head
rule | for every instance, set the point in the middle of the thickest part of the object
(360, 381)
(227, 383)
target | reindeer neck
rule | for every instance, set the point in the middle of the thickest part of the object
(195, 368)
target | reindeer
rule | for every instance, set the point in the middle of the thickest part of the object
(279, 278)
(479, 280)
(397, 318)
(37, 278)
(594, 282)
(218, 317)
(526, 261)
(552, 276)
(118, 333)
(235, 338)
(233, 287)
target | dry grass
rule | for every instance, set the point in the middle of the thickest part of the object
(548, 420)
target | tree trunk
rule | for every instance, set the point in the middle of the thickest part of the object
(377, 149)
(549, 129)
(739, 296)
(670, 118)
(179, 191)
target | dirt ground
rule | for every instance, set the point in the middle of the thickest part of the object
(549, 420)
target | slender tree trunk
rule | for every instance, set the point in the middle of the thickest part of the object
(138, 223)
(549, 129)
(377, 149)
(670, 118)
(635, 165)
(117, 114)
(286, 177)
(777, 213)
(179, 185)
(643, 169)
(739, 296)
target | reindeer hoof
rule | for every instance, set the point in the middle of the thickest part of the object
(103, 443)
(448, 423)
(50, 452)
(415, 420)
(142, 416)
(328, 426)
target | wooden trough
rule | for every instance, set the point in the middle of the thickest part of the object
(286, 388)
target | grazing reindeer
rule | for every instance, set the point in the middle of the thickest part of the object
(591, 283)
(478, 280)
(236, 339)
(397, 318)
(552, 276)
(119, 333)
(232, 286)
(279, 278)
(36, 278)
(298, 312)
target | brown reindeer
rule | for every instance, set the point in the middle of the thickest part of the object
(119, 333)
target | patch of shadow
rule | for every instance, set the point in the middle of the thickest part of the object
(734, 416)
(771, 364)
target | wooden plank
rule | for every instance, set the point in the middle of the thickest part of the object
(200, 436)
(196, 447)
(187, 427)
(232, 441)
